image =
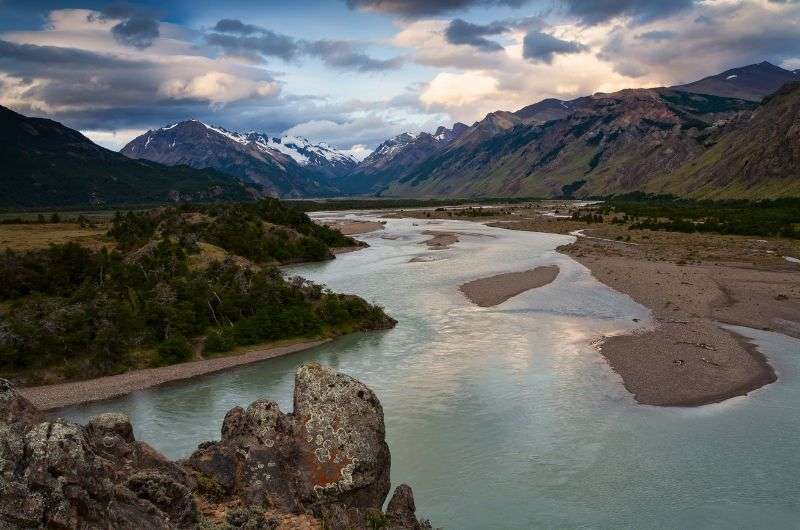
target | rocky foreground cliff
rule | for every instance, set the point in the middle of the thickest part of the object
(325, 465)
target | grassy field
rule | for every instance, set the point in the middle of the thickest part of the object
(22, 237)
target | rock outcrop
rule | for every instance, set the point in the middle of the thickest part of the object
(326, 464)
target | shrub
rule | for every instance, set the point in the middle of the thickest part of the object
(219, 341)
(174, 350)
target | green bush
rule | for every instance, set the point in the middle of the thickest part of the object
(174, 350)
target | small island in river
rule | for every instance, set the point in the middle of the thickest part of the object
(494, 290)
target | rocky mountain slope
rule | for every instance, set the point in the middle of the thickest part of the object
(286, 167)
(47, 164)
(595, 145)
(757, 156)
(752, 82)
(395, 156)
(325, 465)
(607, 143)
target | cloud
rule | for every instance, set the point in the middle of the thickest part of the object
(217, 88)
(540, 46)
(370, 129)
(229, 25)
(462, 32)
(135, 28)
(419, 8)
(341, 54)
(114, 140)
(456, 90)
(591, 12)
(656, 35)
(237, 38)
(359, 152)
(137, 31)
(705, 40)
(253, 42)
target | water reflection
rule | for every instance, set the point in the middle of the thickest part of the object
(506, 417)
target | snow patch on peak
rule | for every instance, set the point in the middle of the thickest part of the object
(236, 137)
(734, 76)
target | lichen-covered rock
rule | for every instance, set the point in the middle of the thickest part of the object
(341, 439)
(330, 450)
(64, 475)
(327, 463)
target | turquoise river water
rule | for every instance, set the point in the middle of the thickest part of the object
(508, 417)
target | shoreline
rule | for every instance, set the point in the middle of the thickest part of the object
(686, 358)
(62, 395)
(691, 283)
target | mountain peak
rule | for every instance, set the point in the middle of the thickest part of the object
(286, 166)
(752, 82)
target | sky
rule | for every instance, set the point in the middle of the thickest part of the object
(356, 72)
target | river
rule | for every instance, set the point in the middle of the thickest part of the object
(508, 417)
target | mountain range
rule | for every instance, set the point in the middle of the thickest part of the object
(631, 140)
(47, 164)
(657, 139)
(731, 135)
(288, 166)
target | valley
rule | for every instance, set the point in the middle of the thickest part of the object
(266, 266)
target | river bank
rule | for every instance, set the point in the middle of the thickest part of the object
(48, 397)
(690, 282)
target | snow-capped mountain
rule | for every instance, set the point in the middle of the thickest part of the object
(288, 166)
(393, 156)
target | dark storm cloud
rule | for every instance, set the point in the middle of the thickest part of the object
(237, 38)
(540, 46)
(463, 32)
(416, 8)
(591, 12)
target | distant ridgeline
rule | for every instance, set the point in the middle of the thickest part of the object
(175, 282)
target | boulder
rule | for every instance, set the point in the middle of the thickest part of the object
(401, 510)
(341, 439)
(327, 463)
(15, 408)
(61, 474)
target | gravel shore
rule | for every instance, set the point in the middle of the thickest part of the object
(690, 282)
(488, 292)
(66, 394)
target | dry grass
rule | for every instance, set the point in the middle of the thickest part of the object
(210, 253)
(22, 237)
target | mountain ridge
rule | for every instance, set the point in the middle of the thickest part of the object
(289, 166)
(534, 151)
(48, 164)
